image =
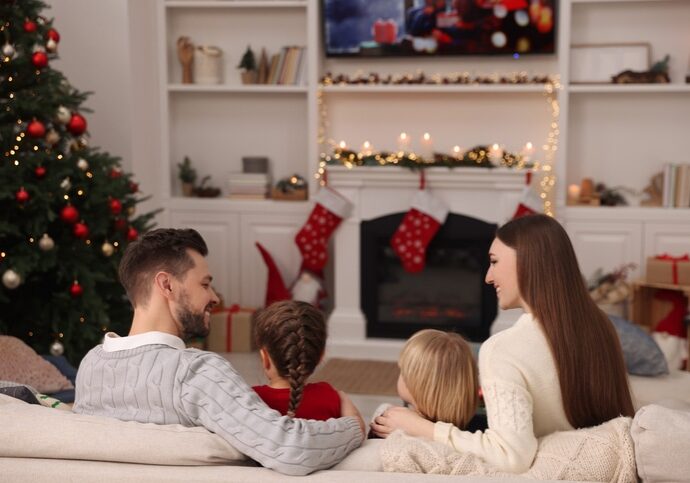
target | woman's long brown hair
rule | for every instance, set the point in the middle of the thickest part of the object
(294, 334)
(584, 343)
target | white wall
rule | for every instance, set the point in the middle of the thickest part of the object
(109, 47)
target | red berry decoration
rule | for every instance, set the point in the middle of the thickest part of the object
(120, 224)
(29, 26)
(53, 35)
(115, 206)
(132, 234)
(69, 214)
(76, 124)
(40, 172)
(36, 129)
(22, 195)
(80, 230)
(76, 290)
(39, 59)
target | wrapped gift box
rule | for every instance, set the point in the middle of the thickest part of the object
(230, 330)
(668, 269)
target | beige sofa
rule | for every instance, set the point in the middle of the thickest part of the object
(40, 444)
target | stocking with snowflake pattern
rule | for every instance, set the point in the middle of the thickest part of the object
(312, 239)
(419, 226)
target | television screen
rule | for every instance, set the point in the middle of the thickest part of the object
(376, 28)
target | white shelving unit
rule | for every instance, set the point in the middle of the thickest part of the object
(616, 134)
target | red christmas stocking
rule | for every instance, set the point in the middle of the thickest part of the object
(275, 288)
(530, 201)
(418, 228)
(312, 239)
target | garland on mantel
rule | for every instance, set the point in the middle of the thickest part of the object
(479, 156)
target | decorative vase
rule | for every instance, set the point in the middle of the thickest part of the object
(208, 65)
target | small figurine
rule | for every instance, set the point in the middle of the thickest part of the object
(185, 53)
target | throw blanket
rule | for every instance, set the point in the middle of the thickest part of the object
(602, 453)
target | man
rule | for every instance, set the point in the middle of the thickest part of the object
(150, 377)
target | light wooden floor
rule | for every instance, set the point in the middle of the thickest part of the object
(248, 365)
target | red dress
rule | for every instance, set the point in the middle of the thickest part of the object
(319, 401)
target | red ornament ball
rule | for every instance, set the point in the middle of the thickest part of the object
(36, 129)
(80, 230)
(115, 206)
(76, 124)
(22, 195)
(115, 173)
(69, 214)
(29, 26)
(76, 290)
(120, 224)
(39, 59)
(40, 172)
(133, 187)
(132, 234)
(53, 35)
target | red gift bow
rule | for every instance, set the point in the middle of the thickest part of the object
(674, 263)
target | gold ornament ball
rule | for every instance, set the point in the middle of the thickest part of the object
(66, 184)
(46, 243)
(57, 349)
(131, 210)
(108, 249)
(83, 164)
(52, 137)
(11, 279)
(63, 114)
(51, 45)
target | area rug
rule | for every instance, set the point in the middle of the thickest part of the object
(360, 376)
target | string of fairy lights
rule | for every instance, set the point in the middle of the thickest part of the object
(338, 153)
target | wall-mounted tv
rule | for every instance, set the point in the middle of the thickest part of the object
(381, 28)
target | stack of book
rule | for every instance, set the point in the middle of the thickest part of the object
(289, 67)
(676, 186)
(249, 186)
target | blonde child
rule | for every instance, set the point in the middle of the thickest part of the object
(438, 378)
(291, 337)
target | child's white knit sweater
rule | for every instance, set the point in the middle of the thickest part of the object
(522, 395)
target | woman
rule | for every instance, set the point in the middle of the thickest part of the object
(558, 368)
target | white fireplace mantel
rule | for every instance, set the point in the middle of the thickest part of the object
(490, 195)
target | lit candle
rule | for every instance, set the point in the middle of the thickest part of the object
(427, 151)
(367, 148)
(458, 152)
(573, 194)
(527, 152)
(495, 153)
(403, 142)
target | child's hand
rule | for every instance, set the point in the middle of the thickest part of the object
(402, 418)
(347, 408)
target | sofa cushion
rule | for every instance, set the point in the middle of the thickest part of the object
(20, 363)
(30, 430)
(662, 442)
(642, 355)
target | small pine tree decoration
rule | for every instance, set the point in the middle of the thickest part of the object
(67, 208)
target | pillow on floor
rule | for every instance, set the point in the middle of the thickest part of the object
(20, 363)
(642, 355)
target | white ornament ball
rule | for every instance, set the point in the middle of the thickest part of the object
(51, 45)
(8, 50)
(63, 114)
(52, 137)
(83, 164)
(108, 249)
(46, 243)
(66, 184)
(11, 279)
(57, 349)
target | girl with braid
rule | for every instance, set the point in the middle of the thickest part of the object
(291, 337)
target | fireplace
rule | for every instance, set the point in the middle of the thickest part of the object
(449, 294)
(483, 197)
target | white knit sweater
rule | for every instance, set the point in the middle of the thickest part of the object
(522, 396)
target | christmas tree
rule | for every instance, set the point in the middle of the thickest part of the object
(67, 208)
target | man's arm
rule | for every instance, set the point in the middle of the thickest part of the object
(214, 395)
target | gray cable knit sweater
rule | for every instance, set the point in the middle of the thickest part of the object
(163, 385)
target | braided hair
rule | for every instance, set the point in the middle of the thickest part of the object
(294, 335)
